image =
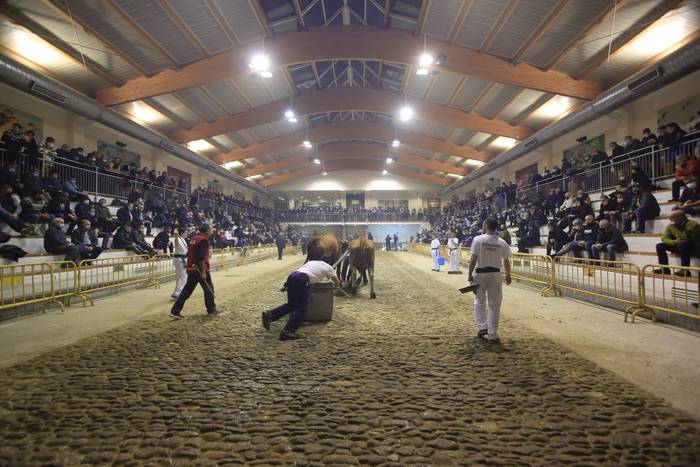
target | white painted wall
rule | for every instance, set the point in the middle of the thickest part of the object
(67, 127)
(356, 180)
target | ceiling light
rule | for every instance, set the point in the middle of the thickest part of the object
(35, 49)
(384, 172)
(325, 173)
(389, 160)
(406, 113)
(474, 162)
(504, 142)
(425, 60)
(422, 71)
(395, 143)
(307, 144)
(199, 145)
(260, 64)
(266, 74)
(233, 165)
(317, 161)
(144, 112)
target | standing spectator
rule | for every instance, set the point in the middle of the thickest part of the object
(179, 261)
(396, 241)
(281, 242)
(617, 152)
(387, 241)
(681, 236)
(55, 242)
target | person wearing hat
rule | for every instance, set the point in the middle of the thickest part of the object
(197, 273)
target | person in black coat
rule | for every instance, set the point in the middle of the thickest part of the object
(644, 206)
(124, 214)
(609, 240)
(608, 208)
(55, 242)
(281, 242)
(617, 152)
(528, 236)
(556, 239)
(124, 240)
(85, 239)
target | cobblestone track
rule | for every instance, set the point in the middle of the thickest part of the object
(399, 380)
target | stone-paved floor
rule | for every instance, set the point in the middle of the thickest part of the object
(397, 381)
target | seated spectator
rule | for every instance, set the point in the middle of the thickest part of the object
(503, 233)
(689, 202)
(124, 215)
(641, 178)
(162, 241)
(104, 217)
(137, 234)
(528, 236)
(556, 239)
(609, 240)
(82, 209)
(55, 242)
(124, 240)
(70, 187)
(9, 212)
(8, 175)
(32, 182)
(608, 208)
(86, 240)
(60, 207)
(51, 184)
(34, 209)
(685, 167)
(138, 218)
(681, 236)
(644, 206)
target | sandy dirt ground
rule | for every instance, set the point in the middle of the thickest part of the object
(401, 380)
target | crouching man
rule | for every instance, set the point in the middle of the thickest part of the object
(298, 286)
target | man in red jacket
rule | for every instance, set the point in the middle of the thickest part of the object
(685, 167)
(197, 273)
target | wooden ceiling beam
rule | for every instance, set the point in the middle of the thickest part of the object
(349, 42)
(351, 99)
(505, 14)
(353, 130)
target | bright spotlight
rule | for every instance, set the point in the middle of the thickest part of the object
(406, 113)
(389, 160)
(325, 173)
(422, 71)
(425, 60)
(260, 63)
(395, 143)
(384, 172)
(307, 144)
(290, 115)
(317, 161)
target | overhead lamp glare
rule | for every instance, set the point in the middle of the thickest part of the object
(384, 172)
(425, 60)
(389, 160)
(307, 144)
(325, 173)
(406, 113)
(395, 143)
(317, 161)
(422, 71)
(260, 63)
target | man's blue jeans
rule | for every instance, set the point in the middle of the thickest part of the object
(297, 300)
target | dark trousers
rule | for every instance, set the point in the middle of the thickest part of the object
(85, 254)
(280, 250)
(676, 189)
(684, 250)
(15, 224)
(388, 246)
(297, 299)
(194, 278)
(71, 251)
(641, 215)
(595, 254)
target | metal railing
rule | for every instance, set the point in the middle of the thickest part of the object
(656, 163)
(45, 283)
(669, 293)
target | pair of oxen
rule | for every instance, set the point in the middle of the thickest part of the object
(360, 258)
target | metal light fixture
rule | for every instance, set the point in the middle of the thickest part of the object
(425, 60)
(260, 63)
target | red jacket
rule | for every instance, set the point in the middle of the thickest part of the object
(193, 258)
(692, 167)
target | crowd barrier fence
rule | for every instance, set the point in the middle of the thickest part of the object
(609, 283)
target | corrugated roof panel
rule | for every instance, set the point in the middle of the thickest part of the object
(261, 132)
(226, 96)
(242, 19)
(417, 151)
(252, 89)
(416, 85)
(478, 139)
(441, 131)
(149, 15)
(444, 87)
(240, 139)
(522, 101)
(117, 32)
(628, 19)
(280, 127)
(278, 85)
(573, 19)
(200, 19)
(51, 24)
(462, 136)
(522, 22)
(497, 98)
(440, 16)
(482, 16)
(174, 105)
(420, 126)
(470, 92)
(225, 141)
(400, 23)
(197, 99)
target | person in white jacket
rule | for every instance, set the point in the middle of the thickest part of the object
(179, 261)
(435, 251)
(453, 249)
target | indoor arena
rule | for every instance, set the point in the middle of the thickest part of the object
(349, 232)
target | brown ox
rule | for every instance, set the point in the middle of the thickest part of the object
(323, 248)
(361, 264)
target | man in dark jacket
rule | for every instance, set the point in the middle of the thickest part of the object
(644, 206)
(124, 240)
(34, 209)
(124, 214)
(387, 241)
(617, 152)
(137, 234)
(55, 242)
(609, 240)
(281, 242)
(8, 212)
(86, 240)
(556, 239)
(528, 236)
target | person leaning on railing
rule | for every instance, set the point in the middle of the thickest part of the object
(681, 236)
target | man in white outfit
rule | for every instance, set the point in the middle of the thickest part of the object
(488, 252)
(435, 250)
(453, 249)
(179, 261)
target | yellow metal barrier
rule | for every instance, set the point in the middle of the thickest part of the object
(535, 269)
(108, 273)
(162, 268)
(615, 281)
(34, 283)
(668, 293)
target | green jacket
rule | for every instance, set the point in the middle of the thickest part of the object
(689, 231)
